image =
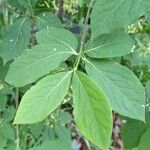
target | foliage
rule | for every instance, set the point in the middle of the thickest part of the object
(61, 76)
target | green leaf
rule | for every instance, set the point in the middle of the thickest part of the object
(15, 4)
(35, 63)
(144, 142)
(3, 71)
(9, 113)
(36, 129)
(131, 133)
(92, 111)
(46, 20)
(147, 113)
(148, 89)
(43, 98)
(3, 101)
(125, 92)
(4, 88)
(48, 134)
(42, 59)
(53, 145)
(135, 58)
(63, 133)
(3, 142)
(16, 40)
(8, 132)
(28, 4)
(146, 59)
(110, 45)
(139, 58)
(63, 118)
(11, 145)
(59, 36)
(81, 3)
(108, 15)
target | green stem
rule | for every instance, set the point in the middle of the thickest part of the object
(76, 64)
(85, 29)
(17, 126)
(60, 12)
(5, 17)
(139, 42)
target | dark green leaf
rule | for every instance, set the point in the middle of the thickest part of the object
(63, 118)
(4, 88)
(3, 71)
(144, 142)
(9, 114)
(63, 133)
(3, 101)
(46, 20)
(28, 4)
(131, 133)
(48, 134)
(3, 142)
(16, 40)
(53, 145)
(8, 132)
(148, 89)
(36, 129)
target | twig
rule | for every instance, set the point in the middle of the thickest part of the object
(5, 17)
(141, 45)
(17, 126)
(85, 29)
(60, 11)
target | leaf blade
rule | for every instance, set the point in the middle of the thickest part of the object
(46, 20)
(108, 15)
(133, 129)
(144, 141)
(87, 100)
(121, 86)
(58, 35)
(14, 44)
(41, 59)
(53, 144)
(45, 97)
(110, 45)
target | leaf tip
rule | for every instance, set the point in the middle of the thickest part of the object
(14, 123)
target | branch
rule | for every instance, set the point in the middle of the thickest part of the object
(60, 12)
(17, 126)
(85, 28)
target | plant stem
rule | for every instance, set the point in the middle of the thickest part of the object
(60, 11)
(85, 29)
(17, 126)
(5, 17)
(141, 45)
